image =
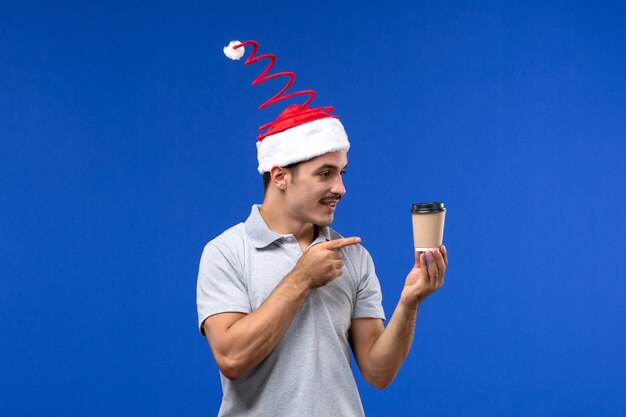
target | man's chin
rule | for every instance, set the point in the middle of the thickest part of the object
(326, 221)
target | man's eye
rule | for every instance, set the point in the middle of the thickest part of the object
(325, 173)
(343, 172)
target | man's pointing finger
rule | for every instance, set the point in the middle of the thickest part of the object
(342, 243)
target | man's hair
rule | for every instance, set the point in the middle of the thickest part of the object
(267, 176)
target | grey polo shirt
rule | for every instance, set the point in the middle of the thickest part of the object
(308, 373)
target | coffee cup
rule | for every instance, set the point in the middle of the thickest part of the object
(428, 222)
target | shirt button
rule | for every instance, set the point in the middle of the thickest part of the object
(289, 239)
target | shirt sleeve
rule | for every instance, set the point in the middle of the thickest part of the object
(369, 295)
(221, 287)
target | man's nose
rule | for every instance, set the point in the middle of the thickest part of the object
(338, 187)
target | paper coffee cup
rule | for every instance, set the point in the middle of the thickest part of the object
(428, 221)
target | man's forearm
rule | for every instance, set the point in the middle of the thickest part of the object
(249, 340)
(389, 351)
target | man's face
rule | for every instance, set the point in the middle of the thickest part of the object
(313, 193)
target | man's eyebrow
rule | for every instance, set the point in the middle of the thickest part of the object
(331, 166)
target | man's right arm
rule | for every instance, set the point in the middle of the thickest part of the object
(240, 341)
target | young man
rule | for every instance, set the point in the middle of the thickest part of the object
(283, 297)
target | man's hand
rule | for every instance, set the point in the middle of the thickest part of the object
(323, 262)
(423, 280)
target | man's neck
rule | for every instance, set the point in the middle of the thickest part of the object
(278, 221)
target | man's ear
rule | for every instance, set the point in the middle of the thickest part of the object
(279, 177)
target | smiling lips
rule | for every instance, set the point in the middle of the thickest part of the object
(331, 204)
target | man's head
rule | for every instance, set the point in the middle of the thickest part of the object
(309, 191)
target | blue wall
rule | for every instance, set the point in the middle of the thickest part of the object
(128, 141)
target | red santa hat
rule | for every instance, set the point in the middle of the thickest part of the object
(300, 132)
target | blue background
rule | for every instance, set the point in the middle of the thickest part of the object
(128, 142)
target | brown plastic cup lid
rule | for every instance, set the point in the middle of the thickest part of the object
(425, 208)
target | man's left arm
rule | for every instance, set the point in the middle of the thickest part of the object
(380, 351)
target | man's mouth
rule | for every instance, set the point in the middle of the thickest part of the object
(332, 204)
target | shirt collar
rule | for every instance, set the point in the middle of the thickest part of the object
(261, 235)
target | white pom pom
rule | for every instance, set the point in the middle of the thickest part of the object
(234, 53)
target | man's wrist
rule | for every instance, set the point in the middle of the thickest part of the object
(299, 283)
(409, 309)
